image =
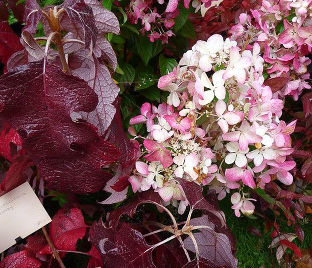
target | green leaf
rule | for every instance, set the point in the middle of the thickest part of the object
(181, 18)
(117, 39)
(166, 65)
(132, 28)
(151, 93)
(188, 31)
(145, 78)
(124, 15)
(146, 49)
(107, 4)
(265, 196)
(279, 27)
(58, 197)
(128, 74)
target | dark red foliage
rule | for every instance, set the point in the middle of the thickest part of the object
(121, 184)
(122, 248)
(15, 6)
(39, 106)
(194, 195)
(20, 260)
(130, 208)
(66, 228)
(32, 15)
(213, 247)
(221, 18)
(8, 138)
(291, 246)
(81, 14)
(96, 258)
(276, 84)
(35, 243)
(16, 174)
(9, 42)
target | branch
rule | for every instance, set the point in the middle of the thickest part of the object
(54, 250)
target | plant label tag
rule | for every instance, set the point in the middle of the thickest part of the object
(21, 214)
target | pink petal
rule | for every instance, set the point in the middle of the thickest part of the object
(142, 168)
(151, 145)
(135, 183)
(146, 108)
(232, 118)
(233, 174)
(223, 125)
(166, 80)
(172, 6)
(287, 178)
(220, 107)
(166, 193)
(231, 136)
(248, 179)
(137, 120)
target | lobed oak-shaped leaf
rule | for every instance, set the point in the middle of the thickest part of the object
(70, 156)
(20, 259)
(122, 248)
(99, 79)
(80, 13)
(105, 20)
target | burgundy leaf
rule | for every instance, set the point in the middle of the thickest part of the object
(16, 174)
(17, 59)
(115, 134)
(201, 263)
(105, 20)
(20, 260)
(307, 104)
(277, 83)
(130, 152)
(105, 52)
(9, 42)
(35, 243)
(121, 184)
(123, 248)
(32, 47)
(80, 13)
(8, 136)
(65, 230)
(194, 195)
(169, 254)
(291, 246)
(18, 9)
(96, 258)
(130, 208)
(99, 79)
(38, 105)
(213, 247)
(32, 15)
(4, 13)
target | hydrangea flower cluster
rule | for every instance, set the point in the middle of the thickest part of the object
(283, 29)
(158, 24)
(220, 127)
